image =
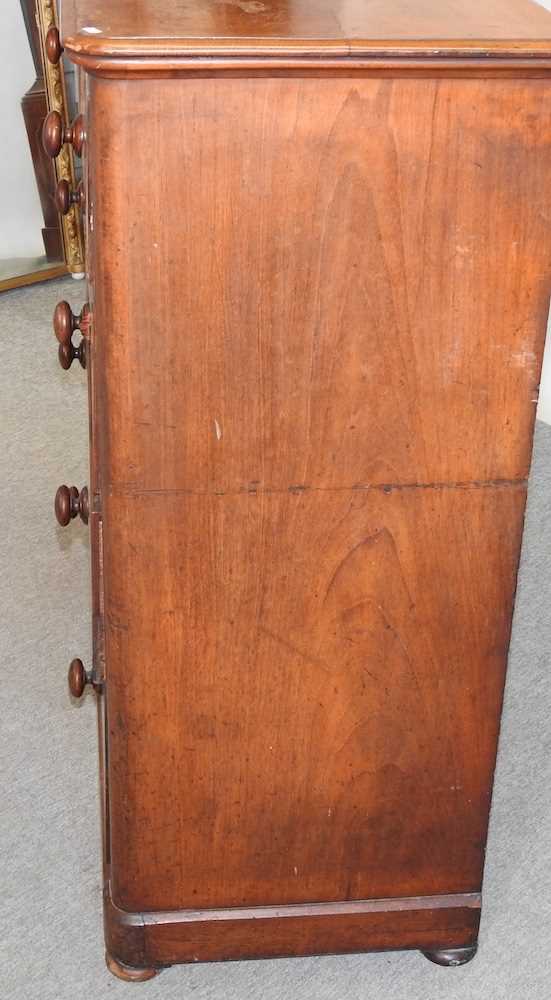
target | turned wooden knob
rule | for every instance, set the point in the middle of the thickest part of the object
(55, 134)
(69, 502)
(53, 46)
(68, 352)
(64, 197)
(78, 678)
(65, 322)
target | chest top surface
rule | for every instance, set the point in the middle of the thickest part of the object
(134, 28)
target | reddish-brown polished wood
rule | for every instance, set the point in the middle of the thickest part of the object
(53, 46)
(314, 362)
(77, 678)
(319, 712)
(142, 29)
(65, 322)
(157, 939)
(128, 974)
(365, 367)
(55, 134)
(65, 197)
(67, 353)
(284, 524)
(69, 503)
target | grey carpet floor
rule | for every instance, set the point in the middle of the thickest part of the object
(50, 903)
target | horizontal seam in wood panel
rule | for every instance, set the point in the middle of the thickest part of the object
(130, 491)
(471, 900)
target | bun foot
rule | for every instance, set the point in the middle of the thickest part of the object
(127, 972)
(451, 956)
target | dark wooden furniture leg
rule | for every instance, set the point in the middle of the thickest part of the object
(127, 972)
(451, 956)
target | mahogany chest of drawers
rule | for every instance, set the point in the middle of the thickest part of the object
(319, 265)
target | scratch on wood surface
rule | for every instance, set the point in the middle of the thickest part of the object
(217, 430)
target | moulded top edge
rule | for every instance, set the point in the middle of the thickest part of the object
(156, 29)
(218, 55)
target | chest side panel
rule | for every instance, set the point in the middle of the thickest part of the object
(321, 283)
(320, 310)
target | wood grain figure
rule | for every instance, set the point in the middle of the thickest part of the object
(319, 279)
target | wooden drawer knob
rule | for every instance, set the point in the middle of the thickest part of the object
(68, 352)
(55, 134)
(53, 46)
(65, 322)
(69, 502)
(78, 678)
(64, 197)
